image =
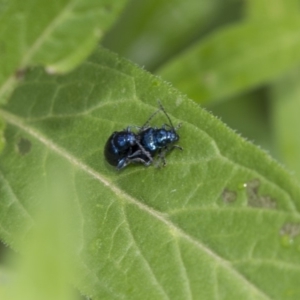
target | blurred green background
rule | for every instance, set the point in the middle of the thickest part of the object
(239, 59)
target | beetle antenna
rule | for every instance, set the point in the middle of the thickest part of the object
(149, 119)
(162, 108)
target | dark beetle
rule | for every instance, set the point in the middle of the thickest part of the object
(159, 141)
(125, 147)
(118, 146)
(122, 148)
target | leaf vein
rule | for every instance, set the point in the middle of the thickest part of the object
(146, 262)
(15, 197)
(187, 282)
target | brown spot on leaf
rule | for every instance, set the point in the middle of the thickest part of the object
(19, 74)
(24, 146)
(255, 199)
(228, 196)
(290, 229)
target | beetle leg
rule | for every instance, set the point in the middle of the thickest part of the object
(140, 160)
(162, 154)
(122, 163)
(144, 152)
(175, 147)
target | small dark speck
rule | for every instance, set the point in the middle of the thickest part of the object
(24, 146)
(228, 196)
(20, 73)
(108, 7)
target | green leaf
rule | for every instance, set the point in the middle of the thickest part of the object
(147, 27)
(263, 10)
(247, 114)
(43, 269)
(285, 119)
(58, 34)
(2, 141)
(221, 220)
(236, 59)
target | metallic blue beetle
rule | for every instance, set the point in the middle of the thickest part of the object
(125, 147)
(160, 140)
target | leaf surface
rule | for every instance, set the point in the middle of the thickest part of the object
(221, 220)
(235, 59)
(2, 141)
(285, 119)
(263, 10)
(147, 27)
(57, 34)
(247, 114)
